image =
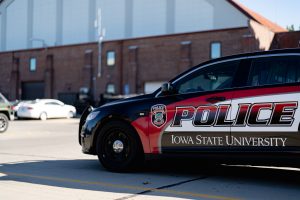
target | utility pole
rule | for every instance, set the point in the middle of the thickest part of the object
(100, 37)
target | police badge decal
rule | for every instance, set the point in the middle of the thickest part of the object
(158, 115)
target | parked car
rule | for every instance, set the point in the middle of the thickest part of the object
(6, 113)
(243, 107)
(15, 105)
(46, 108)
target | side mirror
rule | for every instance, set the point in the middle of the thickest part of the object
(166, 88)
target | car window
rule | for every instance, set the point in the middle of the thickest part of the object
(52, 103)
(266, 71)
(32, 102)
(216, 77)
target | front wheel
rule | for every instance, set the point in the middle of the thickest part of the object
(43, 116)
(70, 115)
(3, 123)
(118, 147)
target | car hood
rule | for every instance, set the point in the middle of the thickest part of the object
(128, 100)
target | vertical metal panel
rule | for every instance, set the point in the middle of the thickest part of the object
(59, 22)
(92, 18)
(170, 22)
(16, 25)
(29, 23)
(128, 18)
(44, 23)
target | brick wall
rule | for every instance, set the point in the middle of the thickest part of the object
(66, 69)
(162, 58)
(286, 40)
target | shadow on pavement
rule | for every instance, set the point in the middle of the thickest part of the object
(89, 175)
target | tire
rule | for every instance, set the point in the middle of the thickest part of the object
(70, 115)
(118, 159)
(43, 116)
(3, 123)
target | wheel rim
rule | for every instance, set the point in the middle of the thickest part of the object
(116, 146)
(70, 115)
(3, 124)
(43, 116)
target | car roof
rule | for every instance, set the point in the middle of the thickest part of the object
(240, 56)
(44, 100)
(260, 53)
(38, 101)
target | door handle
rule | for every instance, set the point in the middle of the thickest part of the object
(215, 99)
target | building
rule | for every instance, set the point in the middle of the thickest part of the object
(146, 43)
(29, 24)
(286, 40)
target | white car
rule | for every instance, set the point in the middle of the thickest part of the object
(46, 108)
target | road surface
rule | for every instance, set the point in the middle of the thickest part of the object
(43, 160)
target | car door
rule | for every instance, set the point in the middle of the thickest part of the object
(196, 115)
(266, 109)
(61, 109)
(54, 109)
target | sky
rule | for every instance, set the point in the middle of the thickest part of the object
(282, 12)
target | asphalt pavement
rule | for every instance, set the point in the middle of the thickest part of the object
(43, 160)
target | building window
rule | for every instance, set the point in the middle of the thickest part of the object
(110, 58)
(110, 88)
(215, 50)
(32, 64)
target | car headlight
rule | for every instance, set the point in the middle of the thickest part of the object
(92, 115)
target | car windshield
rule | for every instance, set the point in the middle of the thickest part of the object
(3, 99)
(32, 101)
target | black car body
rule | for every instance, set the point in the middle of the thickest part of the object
(242, 104)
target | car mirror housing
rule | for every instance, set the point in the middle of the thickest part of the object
(167, 88)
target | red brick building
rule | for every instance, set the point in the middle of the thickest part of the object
(286, 40)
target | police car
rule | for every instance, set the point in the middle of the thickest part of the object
(245, 104)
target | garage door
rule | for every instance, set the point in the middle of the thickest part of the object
(68, 98)
(33, 90)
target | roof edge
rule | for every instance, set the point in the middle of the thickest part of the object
(257, 17)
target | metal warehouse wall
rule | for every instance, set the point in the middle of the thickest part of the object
(36, 23)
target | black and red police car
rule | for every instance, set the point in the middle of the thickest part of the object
(242, 104)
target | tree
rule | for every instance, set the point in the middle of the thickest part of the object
(290, 28)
